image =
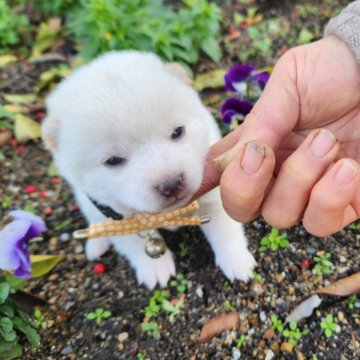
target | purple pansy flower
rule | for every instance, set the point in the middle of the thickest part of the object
(14, 242)
(235, 107)
(237, 76)
(261, 78)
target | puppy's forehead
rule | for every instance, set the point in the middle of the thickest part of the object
(124, 90)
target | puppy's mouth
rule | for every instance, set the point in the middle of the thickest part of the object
(176, 202)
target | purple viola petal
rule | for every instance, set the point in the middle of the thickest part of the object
(24, 268)
(242, 107)
(38, 225)
(237, 74)
(228, 115)
(23, 273)
(262, 78)
(10, 237)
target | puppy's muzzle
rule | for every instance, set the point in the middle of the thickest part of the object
(172, 186)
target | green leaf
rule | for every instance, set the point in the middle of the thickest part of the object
(6, 324)
(20, 99)
(14, 282)
(6, 114)
(45, 37)
(212, 49)
(30, 333)
(211, 79)
(26, 128)
(328, 333)
(329, 318)
(274, 246)
(15, 352)
(7, 310)
(293, 325)
(42, 264)
(91, 316)
(4, 292)
(106, 314)
(305, 36)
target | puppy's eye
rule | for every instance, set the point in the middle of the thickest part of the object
(178, 132)
(115, 161)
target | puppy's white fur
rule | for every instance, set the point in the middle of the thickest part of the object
(128, 104)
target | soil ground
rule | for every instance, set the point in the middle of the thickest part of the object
(73, 289)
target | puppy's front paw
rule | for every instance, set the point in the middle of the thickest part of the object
(94, 248)
(151, 271)
(236, 262)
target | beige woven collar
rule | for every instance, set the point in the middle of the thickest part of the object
(143, 222)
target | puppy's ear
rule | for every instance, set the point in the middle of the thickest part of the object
(177, 70)
(50, 131)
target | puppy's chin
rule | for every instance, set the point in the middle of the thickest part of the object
(175, 204)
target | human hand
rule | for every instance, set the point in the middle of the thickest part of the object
(278, 163)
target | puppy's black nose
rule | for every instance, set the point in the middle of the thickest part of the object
(172, 186)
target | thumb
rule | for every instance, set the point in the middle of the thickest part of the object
(272, 118)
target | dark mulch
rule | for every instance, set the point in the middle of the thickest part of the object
(73, 289)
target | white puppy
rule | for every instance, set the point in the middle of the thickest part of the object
(129, 132)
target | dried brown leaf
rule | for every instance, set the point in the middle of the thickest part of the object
(218, 324)
(344, 287)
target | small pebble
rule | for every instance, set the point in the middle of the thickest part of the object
(262, 316)
(65, 237)
(236, 355)
(310, 250)
(269, 354)
(340, 316)
(199, 292)
(79, 249)
(123, 336)
(67, 350)
(287, 347)
(269, 334)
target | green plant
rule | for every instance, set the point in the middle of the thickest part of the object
(39, 319)
(227, 286)
(294, 334)
(351, 302)
(240, 341)
(5, 202)
(14, 324)
(256, 276)
(172, 309)
(140, 356)
(149, 25)
(57, 7)
(277, 324)
(151, 328)
(11, 26)
(323, 264)
(153, 308)
(273, 241)
(183, 250)
(98, 315)
(228, 306)
(329, 326)
(179, 283)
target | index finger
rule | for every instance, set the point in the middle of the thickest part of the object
(273, 117)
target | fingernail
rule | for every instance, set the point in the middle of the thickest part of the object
(322, 143)
(252, 158)
(345, 173)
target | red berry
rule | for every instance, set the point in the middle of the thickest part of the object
(20, 149)
(30, 189)
(55, 180)
(74, 207)
(99, 268)
(40, 115)
(42, 194)
(13, 142)
(305, 264)
(48, 211)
